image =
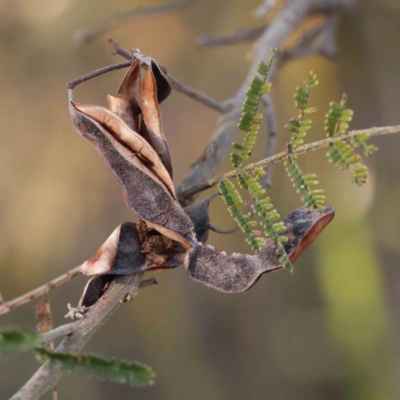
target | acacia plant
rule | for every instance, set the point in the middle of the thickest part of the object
(172, 230)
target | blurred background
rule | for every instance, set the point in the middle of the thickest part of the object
(331, 331)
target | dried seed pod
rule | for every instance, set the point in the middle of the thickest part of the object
(151, 127)
(145, 194)
(127, 103)
(234, 273)
(130, 139)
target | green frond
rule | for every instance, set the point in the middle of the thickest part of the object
(299, 130)
(360, 140)
(342, 156)
(17, 340)
(134, 373)
(256, 243)
(313, 198)
(338, 118)
(228, 192)
(250, 121)
(359, 174)
(259, 172)
(302, 94)
(233, 200)
(271, 222)
(254, 188)
(299, 127)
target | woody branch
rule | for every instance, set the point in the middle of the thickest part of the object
(204, 169)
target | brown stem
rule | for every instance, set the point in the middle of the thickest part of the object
(179, 86)
(56, 333)
(49, 373)
(85, 36)
(241, 35)
(194, 94)
(97, 72)
(40, 291)
(220, 143)
(318, 145)
(222, 231)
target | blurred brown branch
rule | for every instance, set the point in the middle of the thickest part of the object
(274, 35)
(87, 35)
(97, 72)
(266, 162)
(49, 373)
(241, 35)
(175, 84)
(40, 291)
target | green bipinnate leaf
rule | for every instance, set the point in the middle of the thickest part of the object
(17, 340)
(250, 119)
(134, 373)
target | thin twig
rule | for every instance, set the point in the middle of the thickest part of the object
(97, 72)
(241, 35)
(1, 299)
(85, 36)
(178, 86)
(117, 49)
(321, 144)
(40, 291)
(220, 143)
(60, 331)
(222, 231)
(50, 372)
(194, 94)
(306, 46)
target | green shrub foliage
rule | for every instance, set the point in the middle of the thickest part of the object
(250, 119)
(17, 340)
(313, 198)
(134, 373)
(342, 155)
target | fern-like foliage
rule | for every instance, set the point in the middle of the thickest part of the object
(313, 198)
(250, 119)
(271, 222)
(360, 140)
(233, 200)
(134, 373)
(17, 340)
(338, 118)
(342, 154)
(299, 127)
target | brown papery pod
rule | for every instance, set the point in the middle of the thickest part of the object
(127, 104)
(94, 289)
(131, 139)
(163, 86)
(151, 127)
(145, 194)
(103, 260)
(120, 254)
(162, 81)
(234, 273)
